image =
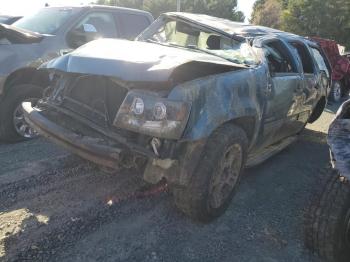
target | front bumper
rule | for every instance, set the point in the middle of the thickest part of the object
(86, 147)
(176, 164)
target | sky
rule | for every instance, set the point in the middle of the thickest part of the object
(23, 7)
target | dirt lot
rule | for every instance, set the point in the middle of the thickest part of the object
(56, 207)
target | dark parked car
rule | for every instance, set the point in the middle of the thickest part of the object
(8, 20)
(49, 33)
(195, 96)
(328, 220)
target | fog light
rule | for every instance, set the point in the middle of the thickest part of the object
(159, 111)
(138, 106)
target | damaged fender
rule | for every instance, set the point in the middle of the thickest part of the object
(233, 95)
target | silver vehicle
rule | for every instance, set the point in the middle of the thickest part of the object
(38, 38)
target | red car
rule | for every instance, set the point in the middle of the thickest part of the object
(340, 68)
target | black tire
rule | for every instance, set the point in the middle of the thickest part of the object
(317, 111)
(327, 224)
(195, 199)
(15, 96)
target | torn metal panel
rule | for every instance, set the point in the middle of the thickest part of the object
(232, 95)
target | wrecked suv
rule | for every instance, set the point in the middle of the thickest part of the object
(197, 98)
(40, 37)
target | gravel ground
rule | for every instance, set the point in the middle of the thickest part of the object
(56, 207)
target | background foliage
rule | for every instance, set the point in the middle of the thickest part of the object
(325, 18)
(220, 8)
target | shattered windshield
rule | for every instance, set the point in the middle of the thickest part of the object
(45, 21)
(182, 34)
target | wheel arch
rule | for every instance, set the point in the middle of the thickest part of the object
(28, 75)
(316, 113)
(247, 123)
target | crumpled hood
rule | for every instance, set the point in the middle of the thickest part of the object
(17, 35)
(130, 60)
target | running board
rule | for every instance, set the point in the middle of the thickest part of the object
(258, 157)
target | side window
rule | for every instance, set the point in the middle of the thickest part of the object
(279, 58)
(131, 25)
(92, 26)
(305, 58)
(321, 64)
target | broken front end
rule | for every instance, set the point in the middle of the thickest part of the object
(114, 125)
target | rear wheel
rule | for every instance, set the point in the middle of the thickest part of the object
(327, 228)
(13, 126)
(336, 91)
(216, 177)
(318, 110)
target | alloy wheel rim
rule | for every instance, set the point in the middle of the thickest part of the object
(337, 91)
(20, 124)
(227, 176)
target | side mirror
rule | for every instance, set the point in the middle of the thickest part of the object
(82, 35)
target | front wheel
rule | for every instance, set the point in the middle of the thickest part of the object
(13, 127)
(327, 228)
(216, 177)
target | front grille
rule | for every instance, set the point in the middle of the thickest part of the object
(95, 98)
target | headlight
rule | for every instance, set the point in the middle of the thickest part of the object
(152, 115)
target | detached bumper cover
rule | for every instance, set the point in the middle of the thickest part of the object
(86, 147)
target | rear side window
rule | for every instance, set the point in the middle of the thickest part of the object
(321, 64)
(305, 58)
(132, 25)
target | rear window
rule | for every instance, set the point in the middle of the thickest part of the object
(132, 25)
(321, 64)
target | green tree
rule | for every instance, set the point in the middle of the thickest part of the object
(219, 8)
(257, 7)
(267, 13)
(324, 18)
(123, 3)
(159, 7)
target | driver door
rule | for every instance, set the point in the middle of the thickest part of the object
(284, 83)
